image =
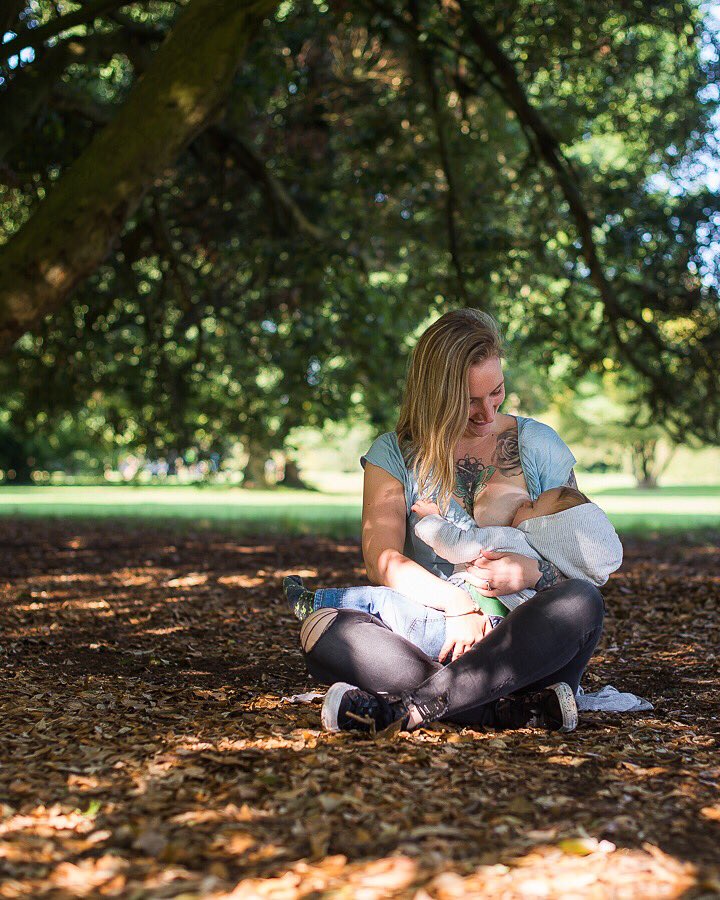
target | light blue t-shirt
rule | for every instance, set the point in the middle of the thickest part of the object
(546, 463)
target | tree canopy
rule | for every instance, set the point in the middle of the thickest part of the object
(366, 166)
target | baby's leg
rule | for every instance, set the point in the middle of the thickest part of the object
(423, 626)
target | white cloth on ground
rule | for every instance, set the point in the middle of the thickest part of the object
(610, 699)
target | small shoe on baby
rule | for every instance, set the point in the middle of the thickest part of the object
(300, 600)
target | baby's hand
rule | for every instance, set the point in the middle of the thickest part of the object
(424, 508)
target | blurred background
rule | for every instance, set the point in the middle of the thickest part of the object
(370, 166)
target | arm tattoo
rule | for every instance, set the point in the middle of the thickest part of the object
(507, 453)
(572, 480)
(549, 575)
(471, 478)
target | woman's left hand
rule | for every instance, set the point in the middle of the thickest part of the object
(499, 574)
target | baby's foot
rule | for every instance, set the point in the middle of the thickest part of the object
(300, 600)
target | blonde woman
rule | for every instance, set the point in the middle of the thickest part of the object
(453, 444)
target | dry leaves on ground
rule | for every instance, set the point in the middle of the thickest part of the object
(147, 752)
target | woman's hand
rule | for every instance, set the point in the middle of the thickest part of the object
(463, 632)
(498, 574)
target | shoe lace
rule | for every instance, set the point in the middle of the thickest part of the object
(366, 710)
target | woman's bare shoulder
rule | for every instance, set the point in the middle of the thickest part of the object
(506, 423)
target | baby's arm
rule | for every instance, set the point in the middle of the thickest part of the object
(423, 508)
(458, 546)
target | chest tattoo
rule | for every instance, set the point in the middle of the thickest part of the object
(506, 456)
(471, 478)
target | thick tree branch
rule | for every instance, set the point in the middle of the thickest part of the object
(549, 150)
(73, 229)
(428, 66)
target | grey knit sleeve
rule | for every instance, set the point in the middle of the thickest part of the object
(458, 546)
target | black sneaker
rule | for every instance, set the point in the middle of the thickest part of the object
(348, 708)
(553, 708)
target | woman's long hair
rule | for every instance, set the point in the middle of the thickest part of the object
(436, 403)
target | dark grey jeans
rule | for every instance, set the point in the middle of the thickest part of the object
(549, 638)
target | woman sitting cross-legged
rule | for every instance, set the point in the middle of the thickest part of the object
(453, 444)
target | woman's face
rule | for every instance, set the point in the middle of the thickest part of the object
(487, 391)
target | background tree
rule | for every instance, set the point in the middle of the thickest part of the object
(374, 165)
(602, 413)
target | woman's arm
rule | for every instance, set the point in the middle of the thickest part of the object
(384, 521)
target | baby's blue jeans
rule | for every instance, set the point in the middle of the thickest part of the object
(423, 626)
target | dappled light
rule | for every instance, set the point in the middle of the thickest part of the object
(154, 750)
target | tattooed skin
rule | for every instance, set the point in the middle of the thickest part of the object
(471, 478)
(507, 453)
(549, 575)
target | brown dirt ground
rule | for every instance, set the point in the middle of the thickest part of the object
(147, 753)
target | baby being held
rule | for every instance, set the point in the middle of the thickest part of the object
(547, 504)
(562, 526)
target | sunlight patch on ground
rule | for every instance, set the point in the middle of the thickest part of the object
(577, 868)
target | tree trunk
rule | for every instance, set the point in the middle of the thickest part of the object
(15, 459)
(646, 463)
(73, 230)
(291, 477)
(254, 474)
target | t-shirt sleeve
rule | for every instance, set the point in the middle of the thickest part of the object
(555, 460)
(386, 454)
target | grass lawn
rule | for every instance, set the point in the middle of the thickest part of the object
(670, 508)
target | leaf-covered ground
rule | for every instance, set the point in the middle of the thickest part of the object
(146, 750)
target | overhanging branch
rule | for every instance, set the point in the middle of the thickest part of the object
(549, 150)
(74, 227)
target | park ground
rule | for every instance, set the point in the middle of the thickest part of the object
(148, 751)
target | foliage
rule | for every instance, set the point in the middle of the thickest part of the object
(603, 412)
(376, 164)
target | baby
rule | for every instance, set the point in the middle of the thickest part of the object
(562, 527)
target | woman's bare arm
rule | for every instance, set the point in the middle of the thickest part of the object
(384, 523)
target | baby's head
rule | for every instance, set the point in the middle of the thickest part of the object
(549, 502)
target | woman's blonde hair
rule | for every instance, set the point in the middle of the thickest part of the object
(436, 402)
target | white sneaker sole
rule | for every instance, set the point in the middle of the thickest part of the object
(331, 705)
(568, 706)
